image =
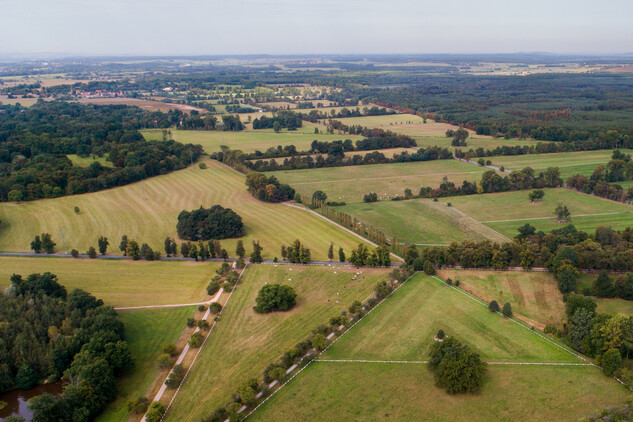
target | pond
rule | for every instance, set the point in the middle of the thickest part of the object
(16, 399)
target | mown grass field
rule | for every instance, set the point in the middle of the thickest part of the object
(121, 282)
(147, 331)
(244, 343)
(477, 141)
(248, 140)
(534, 296)
(403, 327)
(586, 224)
(351, 183)
(389, 153)
(420, 221)
(378, 392)
(517, 205)
(570, 163)
(86, 161)
(147, 211)
(407, 124)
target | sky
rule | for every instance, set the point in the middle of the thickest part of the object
(210, 27)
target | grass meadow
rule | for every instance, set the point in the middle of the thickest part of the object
(351, 183)
(534, 296)
(86, 161)
(249, 140)
(121, 282)
(420, 221)
(569, 163)
(147, 331)
(244, 342)
(404, 392)
(403, 327)
(147, 211)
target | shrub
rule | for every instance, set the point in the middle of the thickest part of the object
(493, 306)
(215, 308)
(191, 322)
(202, 308)
(196, 340)
(164, 360)
(92, 252)
(449, 281)
(213, 287)
(202, 166)
(175, 377)
(170, 349)
(355, 307)
(74, 253)
(155, 412)
(611, 362)
(216, 222)
(139, 405)
(275, 297)
(225, 268)
(440, 334)
(203, 324)
(318, 341)
(429, 269)
(457, 283)
(507, 310)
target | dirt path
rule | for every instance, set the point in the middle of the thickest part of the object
(208, 302)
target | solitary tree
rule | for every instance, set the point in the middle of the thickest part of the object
(103, 244)
(47, 243)
(493, 306)
(536, 195)
(330, 251)
(239, 249)
(92, 252)
(507, 310)
(562, 213)
(123, 245)
(256, 255)
(36, 245)
(341, 255)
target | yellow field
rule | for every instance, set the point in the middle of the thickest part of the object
(147, 211)
(121, 282)
(144, 104)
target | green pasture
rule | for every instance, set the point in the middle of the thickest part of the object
(244, 342)
(147, 331)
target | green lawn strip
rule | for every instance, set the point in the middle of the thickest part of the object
(121, 282)
(383, 391)
(403, 328)
(516, 205)
(86, 161)
(587, 224)
(420, 221)
(244, 343)
(583, 162)
(147, 331)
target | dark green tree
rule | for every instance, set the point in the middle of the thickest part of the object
(507, 310)
(256, 255)
(341, 255)
(493, 306)
(123, 245)
(103, 245)
(603, 286)
(36, 245)
(275, 297)
(92, 252)
(239, 249)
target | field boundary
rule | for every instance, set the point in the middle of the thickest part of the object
(482, 224)
(551, 218)
(422, 362)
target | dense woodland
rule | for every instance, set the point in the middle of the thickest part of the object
(49, 334)
(34, 143)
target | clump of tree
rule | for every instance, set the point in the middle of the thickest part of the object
(275, 297)
(563, 215)
(456, 368)
(216, 222)
(71, 336)
(43, 244)
(297, 253)
(370, 197)
(536, 195)
(268, 189)
(281, 119)
(459, 137)
(379, 257)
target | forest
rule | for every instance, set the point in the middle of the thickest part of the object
(49, 334)
(35, 142)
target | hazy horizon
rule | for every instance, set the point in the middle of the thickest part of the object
(295, 27)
